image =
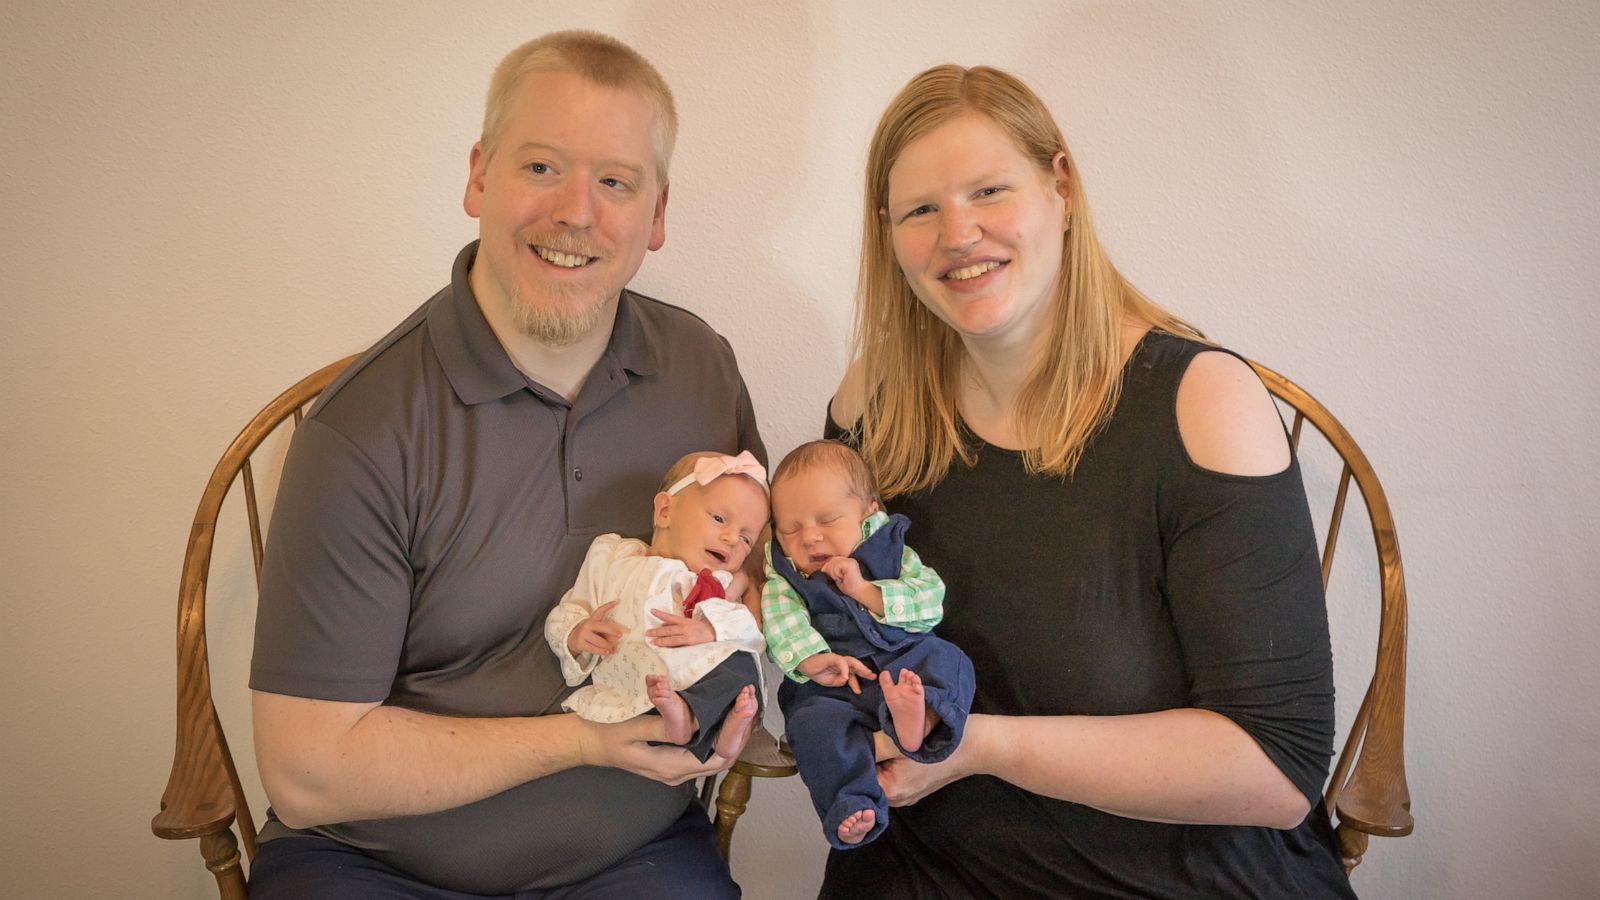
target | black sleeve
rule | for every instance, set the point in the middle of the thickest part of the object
(1245, 588)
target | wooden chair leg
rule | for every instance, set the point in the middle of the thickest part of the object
(1352, 846)
(732, 798)
(221, 851)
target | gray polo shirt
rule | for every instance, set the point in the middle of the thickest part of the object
(435, 504)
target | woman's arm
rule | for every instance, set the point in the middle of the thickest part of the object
(1180, 765)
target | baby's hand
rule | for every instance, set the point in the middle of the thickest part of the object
(597, 634)
(846, 573)
(737, 587)
(834, 669)
(679, 631)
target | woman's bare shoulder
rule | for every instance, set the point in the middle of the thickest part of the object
(850, 399)
(1227, 419)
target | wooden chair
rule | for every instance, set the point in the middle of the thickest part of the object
(205, 798)
(1367, 792)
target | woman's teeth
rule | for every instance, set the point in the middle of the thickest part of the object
(972, 271)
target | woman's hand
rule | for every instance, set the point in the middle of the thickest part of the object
(906, 781)
(679, 631)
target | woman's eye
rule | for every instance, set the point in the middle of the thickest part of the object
(922, 210)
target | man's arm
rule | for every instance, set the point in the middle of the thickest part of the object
(326, 761)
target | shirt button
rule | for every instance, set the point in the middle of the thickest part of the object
(577, 474)
(899, 607)
(786, 656)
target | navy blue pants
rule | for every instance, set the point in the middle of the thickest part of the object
(682, 863)
(711, 698)
(830, 730)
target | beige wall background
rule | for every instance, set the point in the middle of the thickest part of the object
(1393, 202)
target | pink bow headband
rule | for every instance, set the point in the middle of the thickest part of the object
(709, 468)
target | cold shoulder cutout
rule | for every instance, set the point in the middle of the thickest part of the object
(1227, 420)
(850, 400)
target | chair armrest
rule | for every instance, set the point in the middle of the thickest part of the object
(199, 798)
(764, 757)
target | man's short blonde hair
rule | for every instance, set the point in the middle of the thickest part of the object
(601, 59)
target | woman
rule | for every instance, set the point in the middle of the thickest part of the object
(1114, 506)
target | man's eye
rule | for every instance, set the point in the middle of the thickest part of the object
(539, 168)
(614, 183)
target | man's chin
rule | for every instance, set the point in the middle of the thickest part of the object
(559, 327)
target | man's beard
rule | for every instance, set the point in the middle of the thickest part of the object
(560, 326)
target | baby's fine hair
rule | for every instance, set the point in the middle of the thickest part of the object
(832, 454)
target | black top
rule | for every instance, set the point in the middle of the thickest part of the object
(1143, 583)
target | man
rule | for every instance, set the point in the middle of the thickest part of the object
(437, 502)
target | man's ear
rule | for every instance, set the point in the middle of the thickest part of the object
(476, 164)
(662, 509)
(658, 227)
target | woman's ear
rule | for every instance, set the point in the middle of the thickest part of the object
(662, 509)
(1063, 180)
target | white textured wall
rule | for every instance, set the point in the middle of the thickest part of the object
(1393, 202)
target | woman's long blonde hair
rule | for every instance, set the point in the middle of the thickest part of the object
(912, 359)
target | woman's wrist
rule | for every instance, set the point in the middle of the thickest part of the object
(982, 746)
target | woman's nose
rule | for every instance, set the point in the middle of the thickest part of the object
(958, 231)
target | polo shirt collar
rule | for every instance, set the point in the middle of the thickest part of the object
(478, 367)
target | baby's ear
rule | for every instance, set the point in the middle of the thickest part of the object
(662, 509)
(873, 507)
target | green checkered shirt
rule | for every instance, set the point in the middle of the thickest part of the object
(914, 601)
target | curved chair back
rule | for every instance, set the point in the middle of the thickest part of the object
(204, 797)
(1367, 792)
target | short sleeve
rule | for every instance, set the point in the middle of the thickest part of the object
(336, 580)
(1245, 588)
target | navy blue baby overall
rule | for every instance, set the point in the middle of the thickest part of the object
(830, 728)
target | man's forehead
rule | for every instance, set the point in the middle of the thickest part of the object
(558, 110)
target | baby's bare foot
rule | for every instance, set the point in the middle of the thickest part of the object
(734, 725)
(674, 712)
(906, 707)
(857, 825)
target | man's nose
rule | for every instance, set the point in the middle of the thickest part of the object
(574, 205)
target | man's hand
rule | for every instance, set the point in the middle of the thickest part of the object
(833, 670)
(679, 631)
(596, 634)
(846, 573)
(625, 745)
